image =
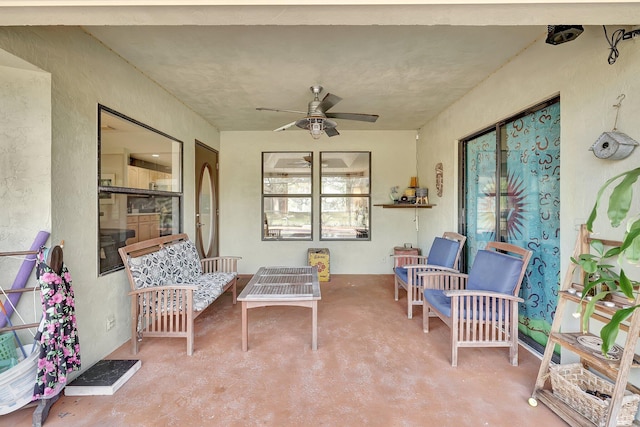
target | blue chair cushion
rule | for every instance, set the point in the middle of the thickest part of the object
(494, 271)
(438, 300)
(401, 272)
(443, 252)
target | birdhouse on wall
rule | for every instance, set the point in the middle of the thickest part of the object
(613, 146)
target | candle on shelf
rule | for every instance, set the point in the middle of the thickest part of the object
(414, 181)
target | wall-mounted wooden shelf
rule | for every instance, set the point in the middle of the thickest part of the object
(405, 206)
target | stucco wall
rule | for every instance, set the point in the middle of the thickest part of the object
(588, 88)
(25, 171)
(83, 74)
(392, 163)
(25, 156)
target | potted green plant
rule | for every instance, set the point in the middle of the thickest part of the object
(601, 277)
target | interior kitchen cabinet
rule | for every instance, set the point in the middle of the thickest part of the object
(145, 226)
(132, 224)
(148, 179)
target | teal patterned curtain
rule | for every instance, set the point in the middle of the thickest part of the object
(529, 206)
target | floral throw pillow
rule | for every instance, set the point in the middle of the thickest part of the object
(184, 261)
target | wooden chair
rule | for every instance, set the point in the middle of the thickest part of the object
(270, 233)
(444, 254)
(480, 308)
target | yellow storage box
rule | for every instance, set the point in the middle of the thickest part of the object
(319, 257)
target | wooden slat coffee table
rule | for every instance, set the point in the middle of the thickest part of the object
(295, 286)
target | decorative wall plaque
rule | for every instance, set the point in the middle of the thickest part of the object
(439, 179)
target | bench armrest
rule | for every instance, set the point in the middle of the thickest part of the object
(221, 264)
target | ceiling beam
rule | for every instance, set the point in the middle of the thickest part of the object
(425, 12)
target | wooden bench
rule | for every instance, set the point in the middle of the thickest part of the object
(171, 286)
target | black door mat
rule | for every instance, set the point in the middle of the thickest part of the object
(103, 378)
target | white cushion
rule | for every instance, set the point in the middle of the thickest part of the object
(185, 262)
(210, 287)
(152, 269)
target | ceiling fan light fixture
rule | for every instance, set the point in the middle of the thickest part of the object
(317, 120)
(316, 127)
(558, 34)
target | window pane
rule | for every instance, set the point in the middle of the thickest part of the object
(287, 218)
(138, 156)
(139, 187)
(287, 173)
(344, 218)
(347, 174)
(286, 176)
(129, 218)
(344, 172)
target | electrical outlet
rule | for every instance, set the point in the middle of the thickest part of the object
(111, 322)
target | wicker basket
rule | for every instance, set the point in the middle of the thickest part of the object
(569, 383)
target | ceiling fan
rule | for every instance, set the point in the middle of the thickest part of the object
(317, 120)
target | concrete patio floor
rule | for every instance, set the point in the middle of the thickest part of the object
(373, 367)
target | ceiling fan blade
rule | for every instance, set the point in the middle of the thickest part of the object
(285, 127)
(280, 111)
(354, 116)
(328, 101)
(331, 131)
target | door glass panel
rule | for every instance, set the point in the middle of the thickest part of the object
(525, 206)
(530, 212)
(480, 181)
(205, 201)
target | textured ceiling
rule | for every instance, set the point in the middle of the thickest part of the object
(405, 74)
(405, 62)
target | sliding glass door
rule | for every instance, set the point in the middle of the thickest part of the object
(511, 192)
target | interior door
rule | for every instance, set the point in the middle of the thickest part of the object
(206, 200)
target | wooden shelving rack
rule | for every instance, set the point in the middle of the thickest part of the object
(404, 206)
(43, 405)
(616, 370)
